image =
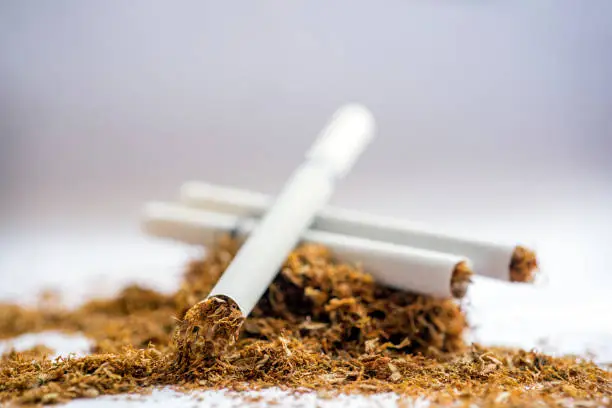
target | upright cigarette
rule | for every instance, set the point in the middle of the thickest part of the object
(410, 269)
(499, 261)
(212, 325)
(304, 194)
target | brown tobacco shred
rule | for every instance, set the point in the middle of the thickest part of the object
(523, 265)
(322, 325)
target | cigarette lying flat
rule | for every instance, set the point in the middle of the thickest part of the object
(415, 270)
(499, 261)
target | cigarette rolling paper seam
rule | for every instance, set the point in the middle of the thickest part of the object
(398, 266)
(305, 193)
(489, 259)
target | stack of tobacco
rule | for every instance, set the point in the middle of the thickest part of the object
(322, 325)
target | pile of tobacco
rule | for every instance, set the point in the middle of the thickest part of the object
(322, 325)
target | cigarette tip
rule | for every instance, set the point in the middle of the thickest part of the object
(524, 265)
(461, 279)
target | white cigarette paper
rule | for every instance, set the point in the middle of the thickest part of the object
(488, 258)
(305, 193)
(397, 266)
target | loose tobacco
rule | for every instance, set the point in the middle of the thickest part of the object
(322, 325)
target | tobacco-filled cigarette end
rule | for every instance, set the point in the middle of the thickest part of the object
(208, 329)
(524, 265)
(461, 279)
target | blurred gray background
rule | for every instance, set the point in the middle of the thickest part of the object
(495, 120)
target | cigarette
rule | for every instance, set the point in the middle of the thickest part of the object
(306, 192)
(212, 325)
(398, 266)
(499, 261)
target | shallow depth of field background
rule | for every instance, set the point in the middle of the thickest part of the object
(495, 120)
